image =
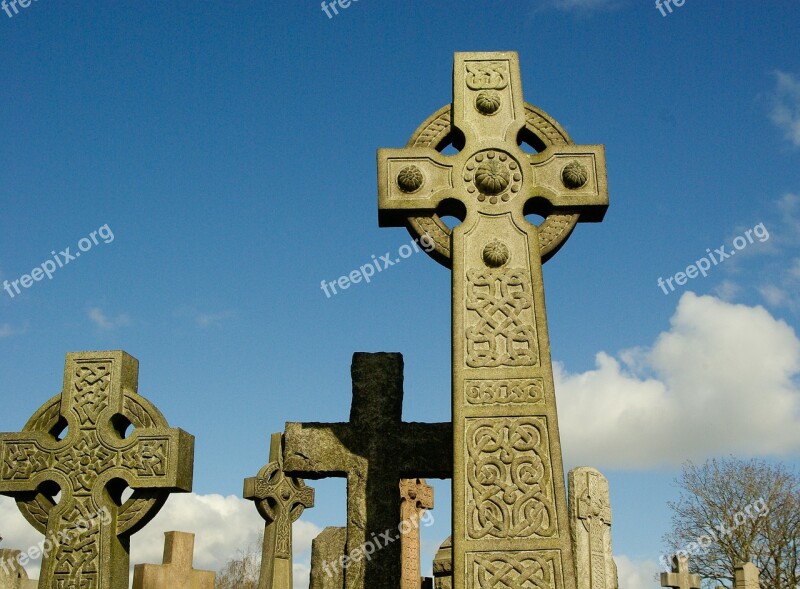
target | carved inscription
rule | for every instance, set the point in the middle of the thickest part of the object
(500, 329)
(505, 392)
(510, 490)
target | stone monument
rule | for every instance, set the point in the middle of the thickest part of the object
(12, 574)
(327, 551)
(745, 576)
(510, 520)
(374, 450)
(89, 532)
(590, 525)
(176, 572)
(415, 497)
(680, 578)
(280, 500)
(443, 566)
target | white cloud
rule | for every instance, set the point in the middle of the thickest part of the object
(636, 574)
(223, 526)
(722, 380)
(105, 322)
(206, 319)
(786, 106)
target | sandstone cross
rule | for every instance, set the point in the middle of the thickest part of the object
(680, 578)
(280, 500)
(415, 497)
(374, 450)
(176, 572)
(590, 526)
(87, 534)
(509, 501)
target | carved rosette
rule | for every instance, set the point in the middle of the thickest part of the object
(493, 175)
(488, 102)
(410, 179)
(574, 175)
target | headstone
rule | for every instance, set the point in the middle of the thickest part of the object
(590, 525)
(443, 565)
(746, 576)
(680, 578)
(427, 583)
(507, 529)
(327, 550)
(88, 531)
(176, 572)
(374, 450)
(280, 500)
(12, 574)
(415, 497)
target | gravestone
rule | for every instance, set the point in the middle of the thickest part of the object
(415, 497)
(176, 572)
(590, 525)
(745, 576)
(680, 577)
(280, 500)
(508, 530)
(374, 450)
(12, 574)
(327, 550)
(443, 565)
(91, 466)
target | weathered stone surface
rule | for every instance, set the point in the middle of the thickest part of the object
(443, 565)
(415, 497)
(746, 576)
(374, 450)
(327, 550)
(280, 500)
(12, 574)
(590, 526)
(680, 577)
(176, 572)
(91, 465)
(506, 528)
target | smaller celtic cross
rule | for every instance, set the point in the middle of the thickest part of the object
(280, 500)
(680, 578)
(415, 497)
(89, 529)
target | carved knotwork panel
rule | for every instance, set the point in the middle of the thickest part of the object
(510, 483)
(500, 330)
(514, 570)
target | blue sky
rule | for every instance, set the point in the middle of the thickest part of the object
(230, 149)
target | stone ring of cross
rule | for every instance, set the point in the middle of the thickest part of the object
(503, 177)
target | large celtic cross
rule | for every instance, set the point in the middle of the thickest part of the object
(510, 526)
(87, 533)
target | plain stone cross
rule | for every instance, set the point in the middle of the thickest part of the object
(680, 578)
(416, 496)
(280, 500)
(745, 576)
(176, 572)
(374, 450)
(509, 498)
(87, 534)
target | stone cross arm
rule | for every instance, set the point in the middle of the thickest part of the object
(321, 450)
